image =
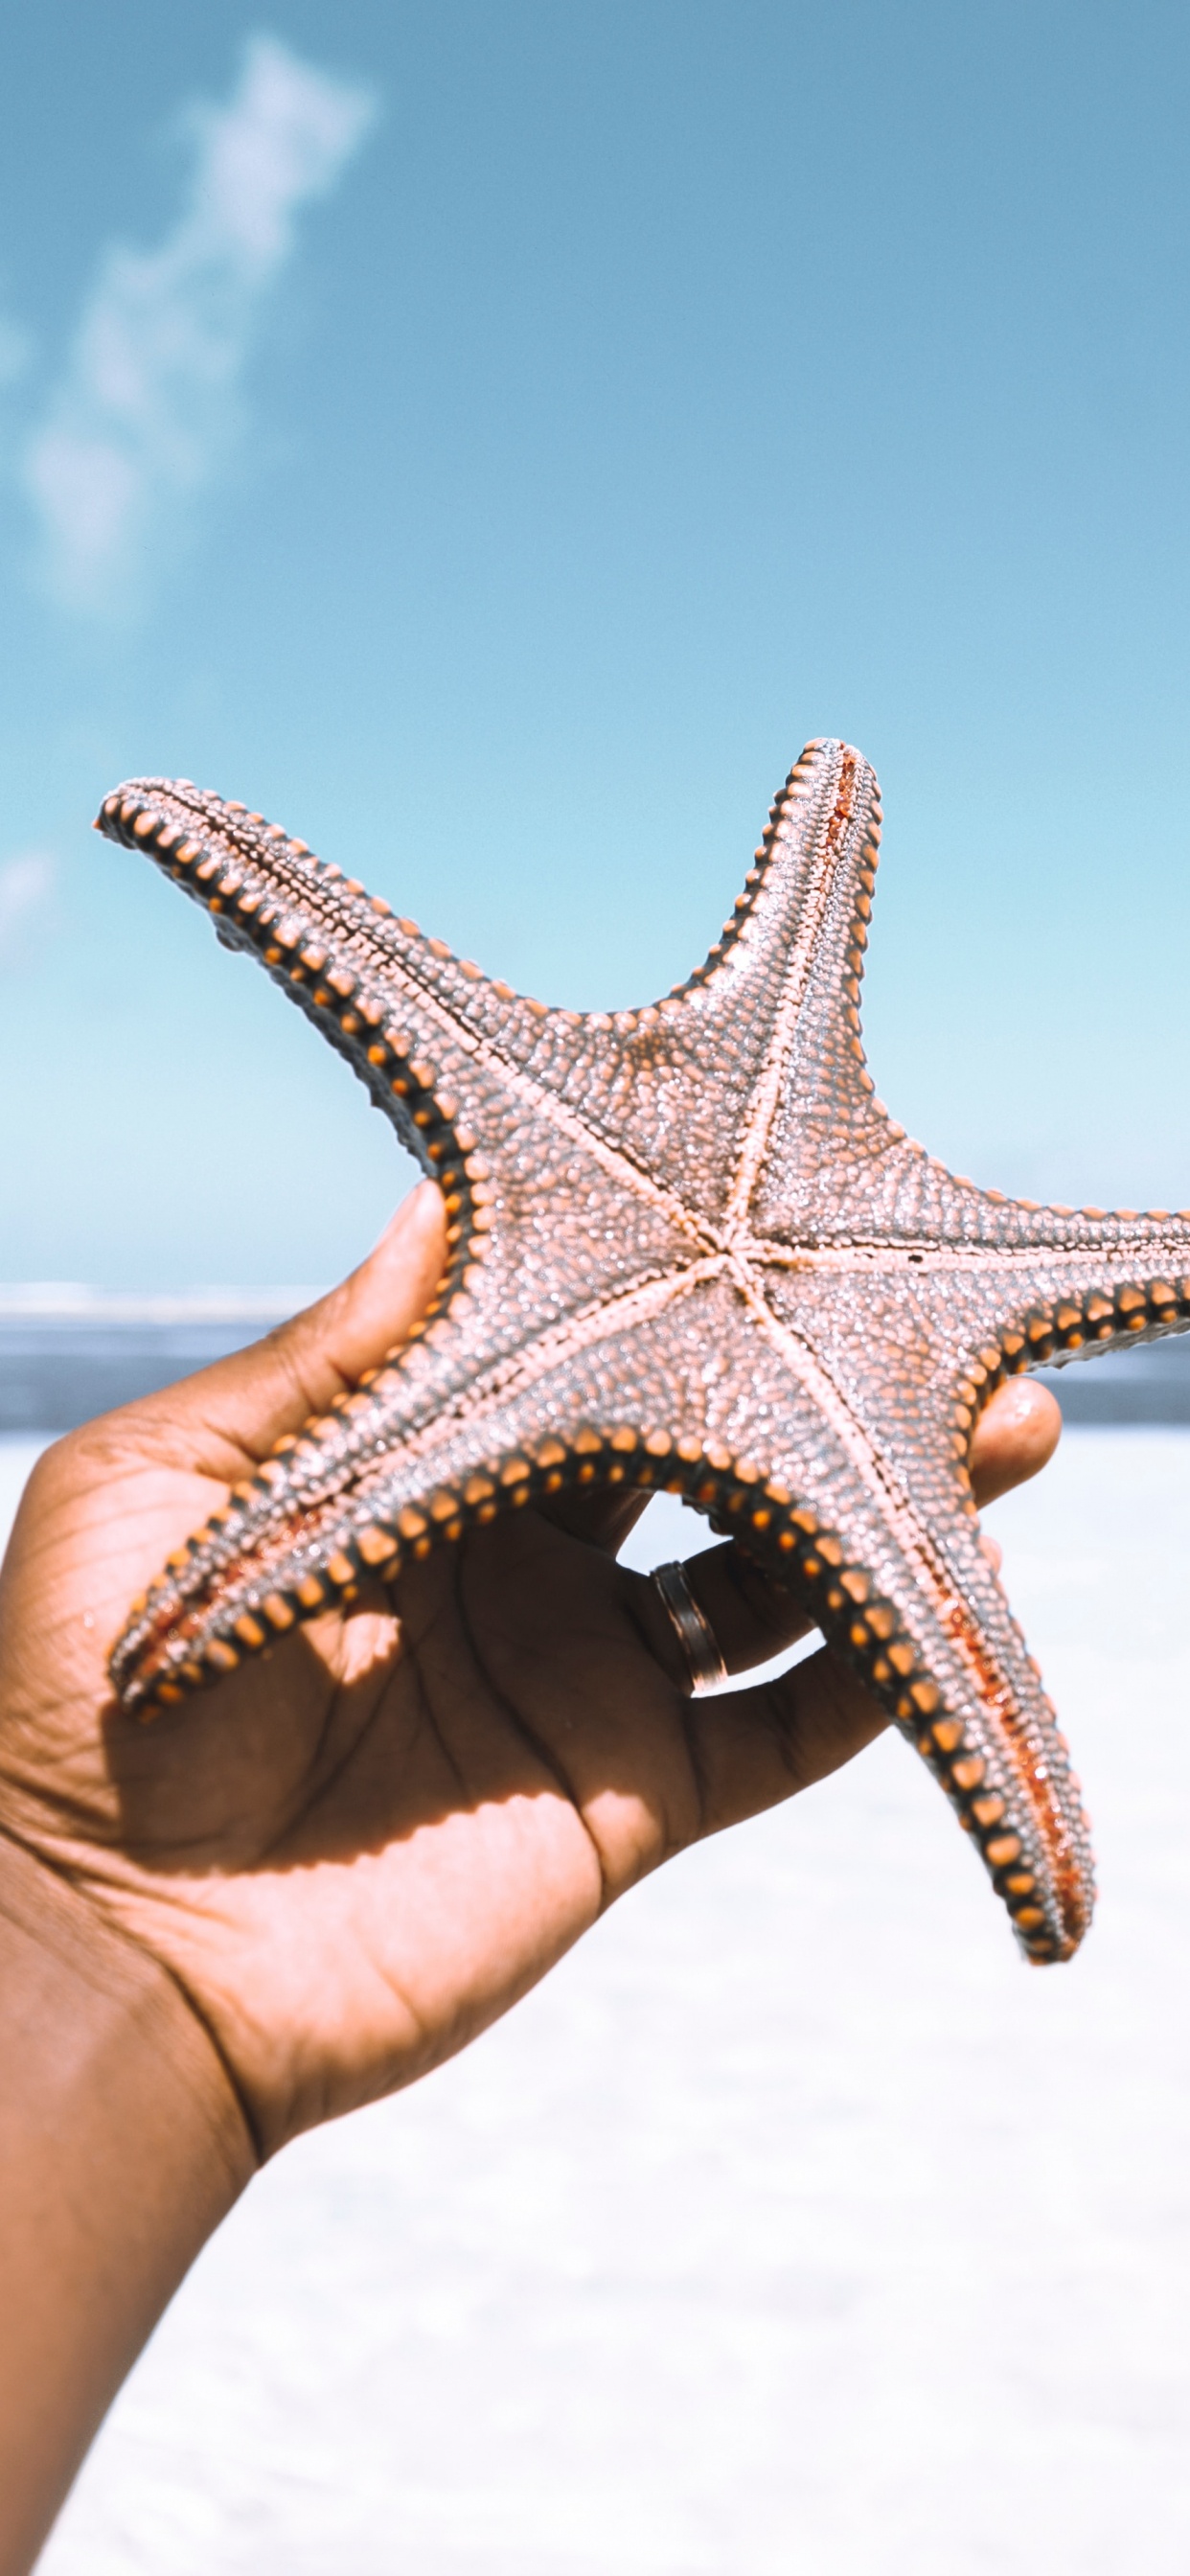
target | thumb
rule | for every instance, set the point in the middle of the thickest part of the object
(225, 1420)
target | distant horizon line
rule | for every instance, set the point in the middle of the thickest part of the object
(75, 1301)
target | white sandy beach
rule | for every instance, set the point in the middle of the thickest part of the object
(793, 2224)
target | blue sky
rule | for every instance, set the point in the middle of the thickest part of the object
(490, 438)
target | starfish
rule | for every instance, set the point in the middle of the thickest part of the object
(690, 1250)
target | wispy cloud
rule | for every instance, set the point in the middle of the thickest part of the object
(150, 402)
(26, 883)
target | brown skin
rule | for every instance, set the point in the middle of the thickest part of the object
(326, 1875)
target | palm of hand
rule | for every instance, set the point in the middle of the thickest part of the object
(355, 1854)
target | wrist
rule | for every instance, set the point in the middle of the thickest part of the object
(122, 2146)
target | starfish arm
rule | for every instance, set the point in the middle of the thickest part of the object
(912, 1594)
(874, 1186)
(773, 1009)
(1023, 1287)
(406, 1016)
(1074, 1285)
(368, 978)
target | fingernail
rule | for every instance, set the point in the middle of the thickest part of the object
(412, 1212)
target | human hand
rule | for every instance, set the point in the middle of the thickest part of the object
(324, 1875)
(354, 1854)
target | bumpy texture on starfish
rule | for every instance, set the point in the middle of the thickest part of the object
(688, 1250)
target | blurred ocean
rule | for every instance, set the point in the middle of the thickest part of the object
(68, 1352)
(792, 2223)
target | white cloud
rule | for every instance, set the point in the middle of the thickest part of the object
(149, 407)
(26, 883)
